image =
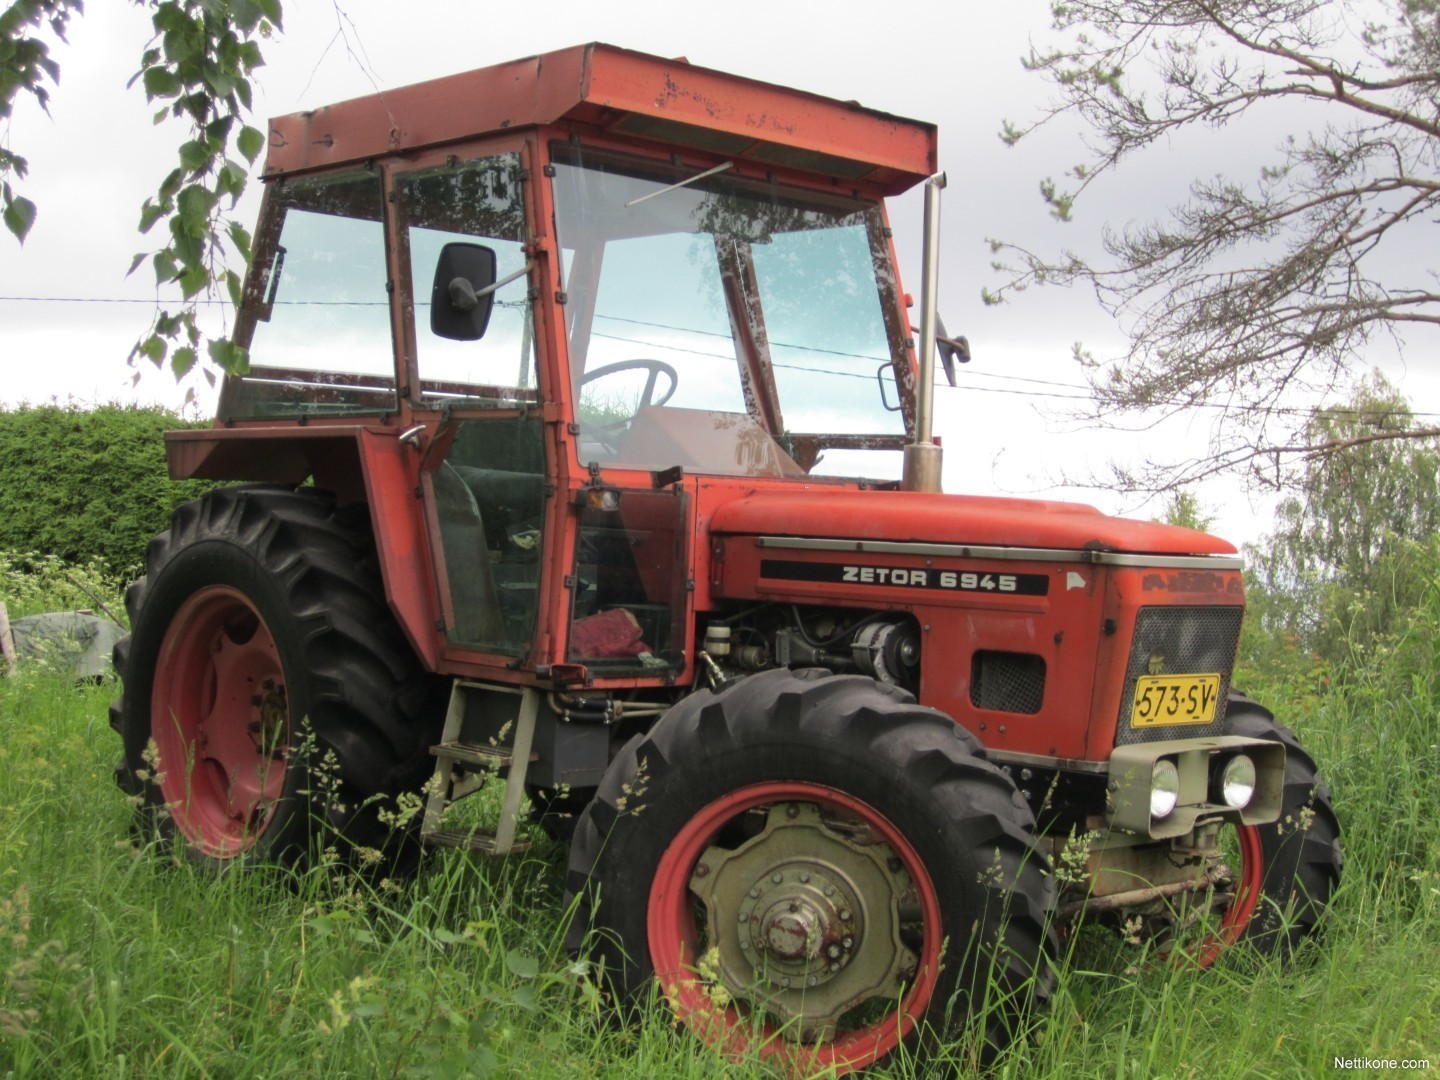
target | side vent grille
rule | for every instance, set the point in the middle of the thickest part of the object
(1007, 681)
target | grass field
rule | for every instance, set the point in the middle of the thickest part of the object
(117, 960)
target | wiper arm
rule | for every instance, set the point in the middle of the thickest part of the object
(683, 183)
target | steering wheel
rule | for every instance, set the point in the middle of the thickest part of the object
(655, 367)
(608, 435)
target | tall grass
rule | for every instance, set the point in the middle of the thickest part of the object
(118, 959)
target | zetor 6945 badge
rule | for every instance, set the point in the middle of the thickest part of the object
(587, 447)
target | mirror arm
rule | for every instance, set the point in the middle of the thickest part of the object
(506, 280)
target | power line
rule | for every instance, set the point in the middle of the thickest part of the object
(968, 373)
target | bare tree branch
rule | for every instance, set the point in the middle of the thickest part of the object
(1250, 294)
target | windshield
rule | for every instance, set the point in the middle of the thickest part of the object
(727, 325)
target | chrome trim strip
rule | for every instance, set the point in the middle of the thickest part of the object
(975, 551)
(1011, 757)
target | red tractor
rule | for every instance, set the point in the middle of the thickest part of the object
(588, 448)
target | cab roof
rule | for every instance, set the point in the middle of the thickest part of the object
(646, 97)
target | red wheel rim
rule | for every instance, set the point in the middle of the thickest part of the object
(220, 720)
(1242, 907)
(674, 939)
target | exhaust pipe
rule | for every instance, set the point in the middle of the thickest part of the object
(923, 457)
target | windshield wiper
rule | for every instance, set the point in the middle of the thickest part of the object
(683, 183)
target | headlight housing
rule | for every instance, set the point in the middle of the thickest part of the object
(1164, 788)
(1235, 783)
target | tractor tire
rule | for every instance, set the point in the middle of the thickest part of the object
(884, 877)
(271, 706)
(1290, 868)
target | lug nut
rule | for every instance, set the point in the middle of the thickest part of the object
(804, 877)
(833, 952)
(777, 877)
(848, 942)
(792, 811)
(844, 914)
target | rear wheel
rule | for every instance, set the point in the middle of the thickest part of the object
(270, 701)
(815, 869)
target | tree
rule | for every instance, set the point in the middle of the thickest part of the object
(1347, 559)
(1183, 508)
(1258, 293)
(198, 68)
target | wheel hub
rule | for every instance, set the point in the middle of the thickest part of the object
(814, 920)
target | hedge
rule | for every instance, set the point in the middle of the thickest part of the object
(87, 485)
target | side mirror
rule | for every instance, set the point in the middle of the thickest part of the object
(460, 304)
(951, 350)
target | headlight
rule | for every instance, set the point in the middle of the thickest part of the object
(1164, 788)
(1237, 782)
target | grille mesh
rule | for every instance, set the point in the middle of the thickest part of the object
(1007, 681)
(1192, 641)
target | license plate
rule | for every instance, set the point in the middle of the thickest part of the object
(1161, 700)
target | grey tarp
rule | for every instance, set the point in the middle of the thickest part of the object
(72, 639)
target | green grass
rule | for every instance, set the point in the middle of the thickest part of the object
(118, 960)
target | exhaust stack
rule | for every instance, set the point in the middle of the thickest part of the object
(923, 457)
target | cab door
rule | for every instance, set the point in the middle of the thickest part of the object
(487, 473)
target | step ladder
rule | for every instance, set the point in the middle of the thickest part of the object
(474, 747)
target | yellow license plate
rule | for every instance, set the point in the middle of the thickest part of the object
(1161, 700)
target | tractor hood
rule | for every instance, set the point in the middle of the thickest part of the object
(915, 517)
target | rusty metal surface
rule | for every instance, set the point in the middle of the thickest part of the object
(627, 91)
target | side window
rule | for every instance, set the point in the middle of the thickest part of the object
(473, 202)
(321, 338)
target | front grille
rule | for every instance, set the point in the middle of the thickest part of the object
(1188, 641)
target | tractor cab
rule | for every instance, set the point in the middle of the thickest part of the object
(564, 297)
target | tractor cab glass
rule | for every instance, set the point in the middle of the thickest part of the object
(726, 325)
(463, 224)
(318, 311)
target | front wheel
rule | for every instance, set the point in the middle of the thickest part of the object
(1290, 868)
(815, 870)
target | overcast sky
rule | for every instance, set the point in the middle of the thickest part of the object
(68, 314)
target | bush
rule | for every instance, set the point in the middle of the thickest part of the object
(87, 485)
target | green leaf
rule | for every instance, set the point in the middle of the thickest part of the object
(171, 184)
(240, 237)
(20, 217)
(194, 205)
(153, 349)
(193, 281)
(195, 155)
(166, 270)
(160, 83)
(525, 967)
(231, 180)
(250, 142)
(135, 262)
(150, 213)
(233, 286)
(183, 360)
(229, 357)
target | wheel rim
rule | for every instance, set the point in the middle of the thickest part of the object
(219, 715)
(799, 939)
(1242, 907)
